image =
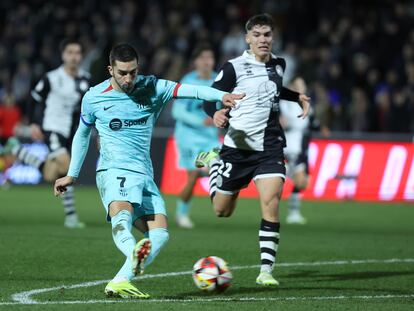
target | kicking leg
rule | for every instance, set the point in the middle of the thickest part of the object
(155, 229)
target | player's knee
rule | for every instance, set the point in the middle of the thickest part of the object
(50, 176)
(222, 212)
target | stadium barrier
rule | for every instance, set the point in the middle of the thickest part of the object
(339, 170)
(362, 167)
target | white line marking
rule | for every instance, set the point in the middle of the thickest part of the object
(25, 297)
(216, 299)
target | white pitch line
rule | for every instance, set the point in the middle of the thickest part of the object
(217, 299)
(25, 297)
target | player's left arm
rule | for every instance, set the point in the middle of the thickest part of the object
(302, 99)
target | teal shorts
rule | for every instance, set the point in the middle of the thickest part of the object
(138, 189)
(187, 152)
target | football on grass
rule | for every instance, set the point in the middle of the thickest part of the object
(211, 274)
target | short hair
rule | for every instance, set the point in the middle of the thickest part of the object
(260, 19)
(65, 42)
(122, 52)
(200, 48)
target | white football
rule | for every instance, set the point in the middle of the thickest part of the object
(212, 274)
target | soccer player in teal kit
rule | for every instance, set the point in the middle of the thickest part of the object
(194, 130)
(124, 110)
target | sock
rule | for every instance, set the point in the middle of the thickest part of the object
(68, 200)
(158, 238)
(24, 156)
(124, 241)
(269, 242)
(294, 200)
(125, 273)
(214, 166)
(183, 208)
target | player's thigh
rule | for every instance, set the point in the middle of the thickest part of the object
(269, 179)
(151, 213)
(117, 185)
(57, 144)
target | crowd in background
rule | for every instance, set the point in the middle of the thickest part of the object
(356, 56)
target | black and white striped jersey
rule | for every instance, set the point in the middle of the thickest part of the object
(254, 122)
(57, 98)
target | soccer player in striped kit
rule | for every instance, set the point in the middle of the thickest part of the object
(54, 119)
(254, 142)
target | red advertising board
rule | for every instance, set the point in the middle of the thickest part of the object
(357, 170)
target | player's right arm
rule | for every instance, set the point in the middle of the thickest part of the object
(80, 147)
(37, 106)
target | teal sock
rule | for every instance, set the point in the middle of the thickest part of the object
(183, 208)
(158, 238)
(125, 273)
(124, 240)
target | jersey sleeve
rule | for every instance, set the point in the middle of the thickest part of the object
(166, 90)
(226, 78)
(37, 103)
(87, 114)
(225, 81)
(80, 145)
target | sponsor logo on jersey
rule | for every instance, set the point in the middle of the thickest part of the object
(279, 70)
(129, 123)
(109, 107)
(115, 124)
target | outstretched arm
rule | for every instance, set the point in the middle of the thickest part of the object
(80, 147)
(207, 93)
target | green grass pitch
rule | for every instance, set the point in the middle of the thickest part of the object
(339, 261)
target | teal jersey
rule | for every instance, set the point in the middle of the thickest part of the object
(125, 121)
(190, 116)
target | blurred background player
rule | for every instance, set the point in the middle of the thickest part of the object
(298, 135)
(194, 131)
(54, 118)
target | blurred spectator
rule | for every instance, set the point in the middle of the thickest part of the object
(343, 49)
(9, 117)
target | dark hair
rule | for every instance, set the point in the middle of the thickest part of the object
(122, 52)
(65, 42)
(260, 19)
(200, 48)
